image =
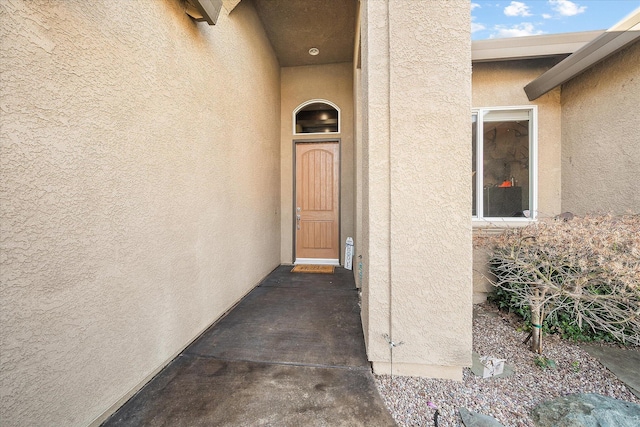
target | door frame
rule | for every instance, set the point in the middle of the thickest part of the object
(293, 204)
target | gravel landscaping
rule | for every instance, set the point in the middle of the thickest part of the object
(511, 399)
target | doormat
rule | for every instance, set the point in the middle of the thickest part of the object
(306, 268)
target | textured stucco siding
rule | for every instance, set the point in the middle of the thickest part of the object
(375, 177)
(417, 187)
(601, 137)
(500, 84)
(140, 188)
(334, 83)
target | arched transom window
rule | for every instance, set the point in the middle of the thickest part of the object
(316, 116)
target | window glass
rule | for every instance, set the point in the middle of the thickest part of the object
(506, 167)
(317, 117)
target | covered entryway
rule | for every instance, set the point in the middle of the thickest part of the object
(317, 195)
(188, 200)
(315, 43)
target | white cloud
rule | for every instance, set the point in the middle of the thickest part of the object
(517, 8)
(546, 16)
(477, 27)
(520, 30)
(566, 7)
(475, 6)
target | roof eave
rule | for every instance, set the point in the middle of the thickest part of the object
(618, 37)
(543, 46)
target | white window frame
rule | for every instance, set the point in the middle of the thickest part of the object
(316, 101)
(479, 220)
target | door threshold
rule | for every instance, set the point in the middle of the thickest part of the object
(317, 261)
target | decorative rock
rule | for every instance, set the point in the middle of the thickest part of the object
(511, 399)
(478, 368)
(473, 419)
(587, 410)
(564, 216)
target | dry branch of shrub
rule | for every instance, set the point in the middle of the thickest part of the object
(589, 267)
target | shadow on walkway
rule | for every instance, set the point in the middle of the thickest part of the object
(291, 353)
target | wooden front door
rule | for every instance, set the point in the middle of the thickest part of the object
(317, 202)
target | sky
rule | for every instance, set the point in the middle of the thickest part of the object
(498, 19)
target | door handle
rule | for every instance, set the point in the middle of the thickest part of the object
(298, 222)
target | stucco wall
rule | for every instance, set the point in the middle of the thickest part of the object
(417, 98)
(140, 183)
(601, 137)
(375, 246)
(500, 84)
(333, 82)
(358, 174)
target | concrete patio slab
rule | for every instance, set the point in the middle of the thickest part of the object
(283, 278)
(285, 325)
(206, 392)
(291, 353)
(623, 363)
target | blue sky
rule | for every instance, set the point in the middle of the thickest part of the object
(496, 19)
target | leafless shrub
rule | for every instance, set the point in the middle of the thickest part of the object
(588, 266)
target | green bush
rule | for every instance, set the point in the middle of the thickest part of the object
(582, 275)
(560, 322)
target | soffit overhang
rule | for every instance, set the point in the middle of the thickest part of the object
(611, 41)
(295, 26)
(530, 47)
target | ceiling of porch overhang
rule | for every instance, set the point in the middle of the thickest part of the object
(295, 26)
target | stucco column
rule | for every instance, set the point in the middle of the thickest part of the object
(375, 178)
(417, 186)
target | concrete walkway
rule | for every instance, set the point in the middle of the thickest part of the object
(290, 354)
(624, 363)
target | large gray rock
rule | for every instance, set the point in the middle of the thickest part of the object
(473, 419)
(586, 410)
